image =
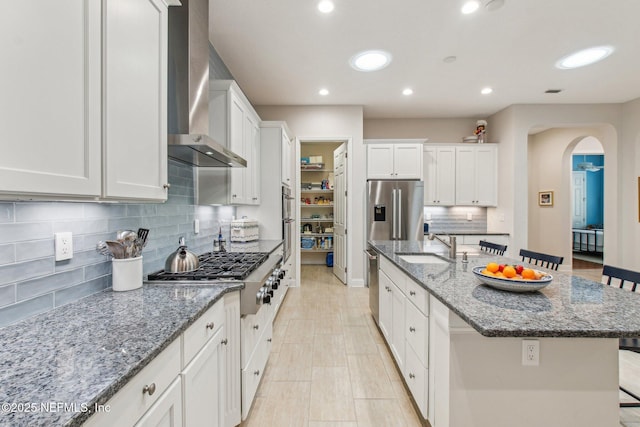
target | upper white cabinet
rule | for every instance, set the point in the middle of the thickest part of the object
(135, 99)
(51, 102)
(79, 119)
(235, 124)
(476, 175)
(286, 172)
(394, 159)
(439, 175)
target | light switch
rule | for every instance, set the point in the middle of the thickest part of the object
(469, 216)
(427, 217)
(196, 226)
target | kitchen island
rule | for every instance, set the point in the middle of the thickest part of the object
(475, 369)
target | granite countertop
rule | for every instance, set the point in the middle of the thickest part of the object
(467, 233)
(81, 354)
(569, 307)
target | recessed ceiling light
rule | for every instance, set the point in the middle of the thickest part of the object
(584, 57)
(326, 6)
(486, 91)
(323, 92)
(470, 6)
(492, 5)
(370, 60)
(408, 91)
(450, 59)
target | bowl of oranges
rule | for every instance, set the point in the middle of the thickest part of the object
(514, 278)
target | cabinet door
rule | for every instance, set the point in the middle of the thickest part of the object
(380, 163)
(407, 161)
(385, 305)
(167, 411)
(287, 155)
(236, 144)
(486, 175)
(233, 369)
(51, 102)
(204, 385)
(252, 150)
(465, 176)
(439, 176)
(398, 326)
(135, 99)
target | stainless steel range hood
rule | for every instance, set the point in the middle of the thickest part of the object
(188, 94)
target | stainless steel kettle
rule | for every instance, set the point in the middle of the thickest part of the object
(181, 260)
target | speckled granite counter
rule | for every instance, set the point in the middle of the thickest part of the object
(569, 307)
(83, 353)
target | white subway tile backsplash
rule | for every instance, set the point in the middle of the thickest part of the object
(29, 276)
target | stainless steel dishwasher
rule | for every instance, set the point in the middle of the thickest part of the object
(372, 255)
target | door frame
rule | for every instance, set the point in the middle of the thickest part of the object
(349, 201)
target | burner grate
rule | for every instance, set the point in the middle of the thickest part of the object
(218, 265)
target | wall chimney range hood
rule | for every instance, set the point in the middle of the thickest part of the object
(188, 91)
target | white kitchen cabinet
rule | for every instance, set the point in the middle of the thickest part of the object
(439, 175)
(399, 302)
(100, 114)
(235, 124)
(253, 372)
(233, 368)
(135, 99)
(51, 102)
(477, 175)
(385, 305)
(389, 159)
(286, 172)
(167, 411)
(204, 385)
(144, 391)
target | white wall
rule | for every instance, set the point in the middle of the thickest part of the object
(335, 122)
(510, 128)
(435, 130)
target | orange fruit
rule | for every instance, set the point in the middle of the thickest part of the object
(487, 272)
(499, 274)
(509, 272)
(493, 267)
(528, 274)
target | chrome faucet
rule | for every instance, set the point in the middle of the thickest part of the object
(451, 245)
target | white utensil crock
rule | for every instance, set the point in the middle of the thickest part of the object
(127, 274)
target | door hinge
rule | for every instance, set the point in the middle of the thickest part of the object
(346, 154)
(345, 269)
(345, 231)
(345, 193)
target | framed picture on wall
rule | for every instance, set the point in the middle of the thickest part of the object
(545, 198)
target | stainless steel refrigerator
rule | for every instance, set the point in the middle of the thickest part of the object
(394, 212)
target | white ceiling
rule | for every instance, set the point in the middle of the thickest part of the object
(282, 52)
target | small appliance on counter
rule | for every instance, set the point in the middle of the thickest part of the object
(244, 230)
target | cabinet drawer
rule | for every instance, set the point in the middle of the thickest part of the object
(251, 328)
(395, 274)
(418, 296)
(417, 377)
(130, 403)
(252, 374)
(197, 335)
(417, 332)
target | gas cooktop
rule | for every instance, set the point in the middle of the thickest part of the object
(217, 266)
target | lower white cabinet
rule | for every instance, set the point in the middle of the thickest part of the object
(404, 322)
(143, 391)
(233, 368)
(167, 411)
(204, 385)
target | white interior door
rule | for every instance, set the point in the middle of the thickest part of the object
(579, 192)
(340, 213)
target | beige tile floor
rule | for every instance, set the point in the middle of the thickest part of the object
(330, 368)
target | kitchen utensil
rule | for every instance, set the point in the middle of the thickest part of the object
(143, 234)
(116, 248)
(103, 249)
(120, 234)
(128, 239)
(181, 260)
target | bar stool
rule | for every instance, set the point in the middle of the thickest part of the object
(492, 248)
(543, 260)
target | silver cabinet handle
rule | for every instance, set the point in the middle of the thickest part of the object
(256, 327)
(269, 339)
(412, 329)
(149, 389)
(411, 375)
(256, 372)
(166, 186)
(224, 341)
(210, 325)
(399, 212)
(412, 293)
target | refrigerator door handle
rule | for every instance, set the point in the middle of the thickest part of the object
(399, 213)
(393, 213)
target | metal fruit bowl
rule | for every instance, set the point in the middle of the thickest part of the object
(513, 285)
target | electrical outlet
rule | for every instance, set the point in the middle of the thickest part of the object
(501, 217)
(196, 226)
(63, 245)
(530, 352)
(427, 216)
(469, 216)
